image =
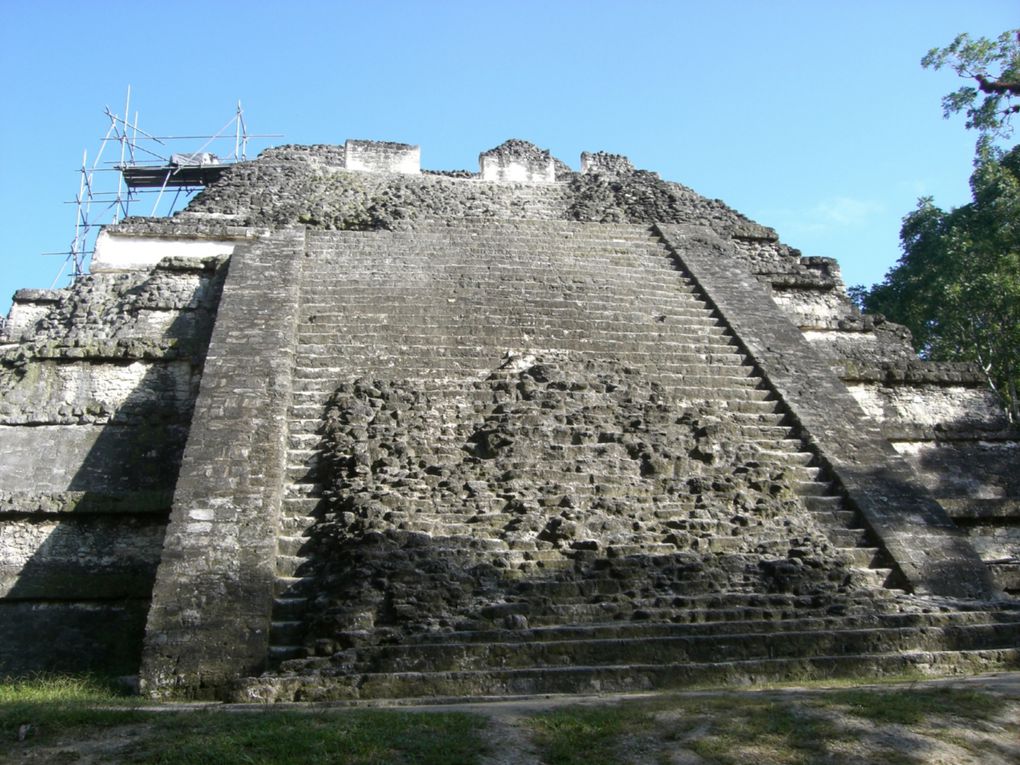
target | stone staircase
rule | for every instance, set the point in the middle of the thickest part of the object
(527, 332)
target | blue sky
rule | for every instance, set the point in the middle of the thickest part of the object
(813, 117)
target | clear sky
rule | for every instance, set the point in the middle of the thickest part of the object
(811, 116)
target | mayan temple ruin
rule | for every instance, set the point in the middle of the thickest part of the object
(345, 428)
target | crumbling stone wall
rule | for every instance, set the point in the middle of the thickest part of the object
(305, 184)
(586, 466)
(97, 383)
(564, 489)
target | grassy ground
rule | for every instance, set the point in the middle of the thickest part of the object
(83, 720)
(80, 720)
(888, 726)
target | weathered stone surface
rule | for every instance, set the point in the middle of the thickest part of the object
(95, 558)
(432, 503)
(104, 637)
(211, 603)
(296, 184)
(460, 435)
(95, 403)
(929, 549)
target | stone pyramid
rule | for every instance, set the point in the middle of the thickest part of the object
(347, 429)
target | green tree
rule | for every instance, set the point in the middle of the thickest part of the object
(994, 66)
(957, 284)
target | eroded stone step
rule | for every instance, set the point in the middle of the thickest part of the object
(694, 649)
(587, 680)
(290, 608)
(289, 566)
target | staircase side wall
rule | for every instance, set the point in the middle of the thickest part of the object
(211, 606)
(932, 553)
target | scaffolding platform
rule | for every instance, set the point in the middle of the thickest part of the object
(171, 176)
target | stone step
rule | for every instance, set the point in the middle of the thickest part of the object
(520, 252)
(632, 318)
(290, 608)
(692, 649)
(823, 503)
(876, 577)
(300, 503)
(848, 537)
(862, 557)
(281, 653)
(836, 518)
(577, 679)
(439, 328)
(290, 545)
(544, 266)
(291, 586)
(291, 565)
(788, 458)
(813, 488)
(286, 633)
(333, 368)
(318, 396)
(522, 293)
(1006, 575)
(636, 353)
(306, 419)
(919, 616)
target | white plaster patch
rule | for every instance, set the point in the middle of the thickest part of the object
(377, 157)
(127, 253)
(496, 168)
(812, 308)
(23, 316)
(929, 405)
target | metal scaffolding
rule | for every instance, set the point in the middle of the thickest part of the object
(147, 166)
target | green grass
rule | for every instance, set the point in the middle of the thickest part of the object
(724, 729)
(777, 730)
(587, 735)
(270, 737)
(69, 709)
(732, 730)
(51, 703)
(910, 707)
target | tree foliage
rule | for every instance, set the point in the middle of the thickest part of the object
(957, 284)
(994, 66)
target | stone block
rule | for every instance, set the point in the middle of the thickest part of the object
(116, 252)
(382, 157)
(517, 161)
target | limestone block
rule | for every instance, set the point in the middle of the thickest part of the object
(603, 162)
(163, 308)
(115, 252)
(834, 344)
(813, 309)
(98, 557)
(28, 307)
(56, 392)
(111, 458)
(517, 161)
(382, 157)
(975, 469)
(945, 407)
